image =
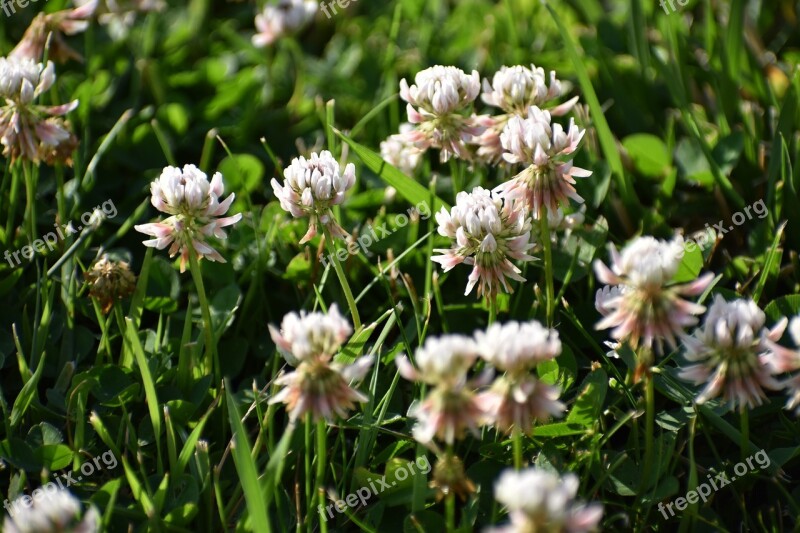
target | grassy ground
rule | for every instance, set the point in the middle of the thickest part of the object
(691, 119)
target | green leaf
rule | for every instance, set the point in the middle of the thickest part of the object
(788, 306)
(589, 405)
(691, 265)
(407, 187)
(242, 172)
(54, 456)
(649, 154)
(246, 467)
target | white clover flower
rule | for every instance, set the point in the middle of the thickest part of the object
(286, 17)
(48, 29)
(52, 512)
(318, 386)
(400, 153)
(119, 16)
(310, 335)
(541, 501)
(436, 105)
(516, 399)
(451, 406)
(311, 187)
(640, 302)
(488, 232)
(733, 354)
(194, 205)
(548, 180)
(28, 130)
(784, 360)
(515, 89)
(518, 347)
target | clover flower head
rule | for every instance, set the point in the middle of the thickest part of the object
(515, 89)
(286, 17)
(488, 232)
(312, 187)
(516, 347)
(732, 354)
(119, 16)
(640, 301)
(451, 406)
(546, 148)
(788, 360)
(54, 26)
(400, 153)
(194, 206)
(53, 512)
(542, 501)
(437, 103)
(28, 130)
(109, 281)
(319, 386)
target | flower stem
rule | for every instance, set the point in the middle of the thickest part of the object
(211, 347)
(548, 265)
(516, 438)
(744, 421)
(322, 462)
(348, 294)
(649, 429)
(30, 200)
(492, 309)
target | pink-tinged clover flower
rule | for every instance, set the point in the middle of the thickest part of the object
(28, 130)
(54, 26)
(542, 502)
(732, 354)
(547, 149)
(786, 360)
(318, 386)
(194, 207)
(311, 188)
(514, 90)
(438, 106)
(488, 232)
(451, 406)
(400, 153)
(640, 302)
(517, 398)
(286, 17)
(119, 16)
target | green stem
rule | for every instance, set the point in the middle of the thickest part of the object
(212, 358)
(548, 266)
(492, 309)
(30, 200)
(322, 463)
(450, 499)
(516, 437)
(348, 294)
(649, 428)
(744, 421)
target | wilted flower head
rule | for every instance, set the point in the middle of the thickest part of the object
(53, 512)
(640, 301)
(436, 103)
(449, 476)
(312, 187)
(400, 153)
(732, 354)
(488, 232)
(28, 130)
(548, 180)
(194, 205)
(318, 386)
(118, 16)
(450, 407)
(286, 17)
(57, 24)
(542, 502)
(110, 281)
(515, 89)
(516, 399)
